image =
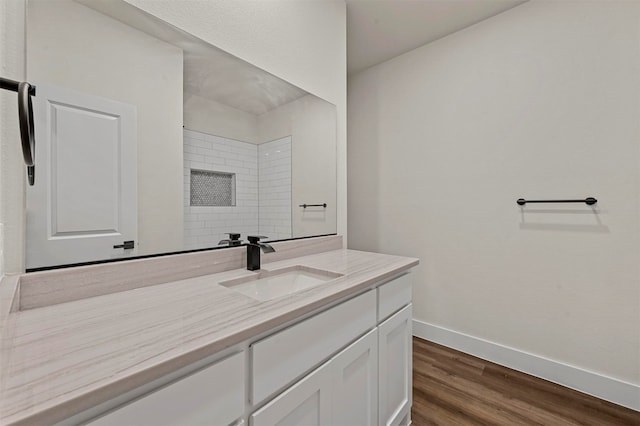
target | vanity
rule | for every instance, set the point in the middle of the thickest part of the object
(183, 144)
(183, 340)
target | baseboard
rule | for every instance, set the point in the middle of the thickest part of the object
(607, 388)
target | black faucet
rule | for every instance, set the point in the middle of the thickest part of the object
(253, 252)
(233, 241)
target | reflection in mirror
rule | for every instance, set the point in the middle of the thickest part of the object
(149, 135)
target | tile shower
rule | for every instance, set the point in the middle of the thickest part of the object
(237, 187)
(274, 188)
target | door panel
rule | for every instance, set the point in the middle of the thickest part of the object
(355, 383)
(84, 200)
(307, 403)
(84, 193)
(394, 363)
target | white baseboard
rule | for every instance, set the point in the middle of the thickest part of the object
(607, 388)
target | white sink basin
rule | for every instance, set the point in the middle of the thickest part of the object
(266, 285)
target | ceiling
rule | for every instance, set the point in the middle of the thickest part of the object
(378, 30)
(209, 72)
(223, 78)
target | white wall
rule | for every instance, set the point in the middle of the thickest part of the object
(302, 42)
(274, 188)
(12, 169)
(311, 123)
(205, 226)
(539, 102)
(214, 118)
(314, 169)
(73, 46)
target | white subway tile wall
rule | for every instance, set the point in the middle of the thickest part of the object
(274, 184)
(263, 189)
(206, 226)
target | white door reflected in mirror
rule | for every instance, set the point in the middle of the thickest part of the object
(84, 201)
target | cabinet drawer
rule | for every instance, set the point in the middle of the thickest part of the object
(214, 395)
(281, 358)
(394, 295)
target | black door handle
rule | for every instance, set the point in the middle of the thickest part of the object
(127, 245)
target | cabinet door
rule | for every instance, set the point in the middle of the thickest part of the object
(394, 368)
(355, 383)
(307, 403)
(280, 358)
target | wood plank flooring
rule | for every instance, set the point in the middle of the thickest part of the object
(453, 388)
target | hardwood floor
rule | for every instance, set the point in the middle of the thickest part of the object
(453, 388)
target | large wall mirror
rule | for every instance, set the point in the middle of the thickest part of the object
(146, 134)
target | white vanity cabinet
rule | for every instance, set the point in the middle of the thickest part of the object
(308, 402)
(343, 391)
(354, 387)
(395, 351)
(348, 365)
(368, 383)
(284, 356)
(395, 368)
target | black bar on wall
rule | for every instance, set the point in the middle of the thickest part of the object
(304, 206)
(588, 201)
(12, 85)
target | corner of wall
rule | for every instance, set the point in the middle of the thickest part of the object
(12, 172)
(1, 250)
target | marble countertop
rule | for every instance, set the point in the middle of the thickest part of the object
(58, 360)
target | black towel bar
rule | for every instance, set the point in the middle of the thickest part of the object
(25, 116)
(13, 85)
(304, 206)
(588, 201)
